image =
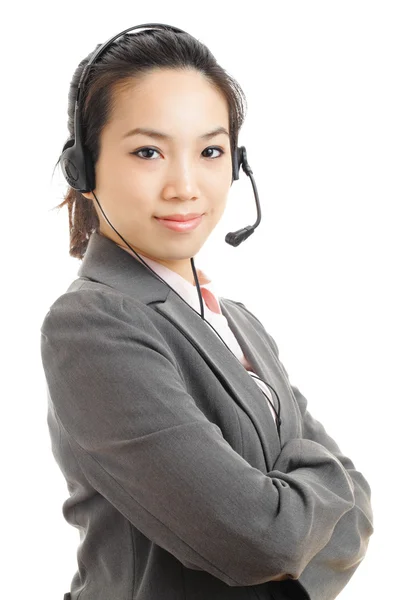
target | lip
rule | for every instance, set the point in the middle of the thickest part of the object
(180, 226)
(187, 217)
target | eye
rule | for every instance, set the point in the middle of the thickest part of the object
(215, 148)
(148, 149)
(144, 150)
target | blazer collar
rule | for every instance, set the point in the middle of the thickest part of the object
(105, 262)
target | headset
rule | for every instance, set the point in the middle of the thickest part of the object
(79, 171)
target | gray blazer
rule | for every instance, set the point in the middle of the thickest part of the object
(178, 482)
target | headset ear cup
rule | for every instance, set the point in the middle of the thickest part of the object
(89, 171)
(77, 166)
(75, 160)
(235, 164)
(68, 144)
(68, 164)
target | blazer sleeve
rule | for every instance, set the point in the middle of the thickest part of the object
(143, 444)
(332, 567)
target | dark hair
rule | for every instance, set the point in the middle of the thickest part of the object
(117, 67)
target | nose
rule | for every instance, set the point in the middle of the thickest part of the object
(182, 179)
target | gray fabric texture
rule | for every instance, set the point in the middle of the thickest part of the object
(177, 480)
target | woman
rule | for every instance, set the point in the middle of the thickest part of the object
(189, 477)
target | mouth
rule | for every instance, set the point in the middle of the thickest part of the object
(181, 226)
(177, 217)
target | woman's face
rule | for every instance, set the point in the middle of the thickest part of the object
(140, 176)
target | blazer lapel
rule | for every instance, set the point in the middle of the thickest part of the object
(107, 263)
(227, 367)
(265, 364)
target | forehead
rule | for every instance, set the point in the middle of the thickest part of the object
(169, 99)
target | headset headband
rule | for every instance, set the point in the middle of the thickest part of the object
(100, 50)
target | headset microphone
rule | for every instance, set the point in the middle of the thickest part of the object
(79, 171)
(234, 238)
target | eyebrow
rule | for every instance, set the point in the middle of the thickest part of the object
(163, 136)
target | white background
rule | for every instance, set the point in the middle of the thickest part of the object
(327, 134)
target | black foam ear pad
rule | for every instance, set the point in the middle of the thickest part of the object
(89, 171)
(236, 163)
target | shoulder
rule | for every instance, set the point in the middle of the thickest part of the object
(91, 307)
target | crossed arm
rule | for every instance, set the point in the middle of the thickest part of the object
(331, 568)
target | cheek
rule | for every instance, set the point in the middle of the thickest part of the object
(215, 212)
